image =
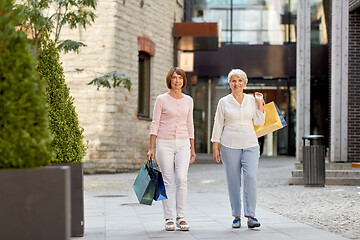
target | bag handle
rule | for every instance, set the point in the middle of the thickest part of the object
(150, 166)
(153, 163)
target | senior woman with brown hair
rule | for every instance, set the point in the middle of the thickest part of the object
(233, 128)
(173, 131)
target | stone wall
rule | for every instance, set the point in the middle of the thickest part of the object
(118, 140)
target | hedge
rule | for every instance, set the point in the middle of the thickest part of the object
(25, 137)
(68, 137)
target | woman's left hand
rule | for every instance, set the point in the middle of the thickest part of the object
(259, 98)
(192, 156)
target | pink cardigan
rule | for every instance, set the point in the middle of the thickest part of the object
(173, 118)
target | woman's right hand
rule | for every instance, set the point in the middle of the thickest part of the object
(151, 154)
(216, 154)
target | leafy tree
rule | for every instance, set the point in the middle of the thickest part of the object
(24, 130)
(119, 78)
(68, 142)
(71, 13)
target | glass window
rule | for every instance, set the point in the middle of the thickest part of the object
(318, 23)
(250, 21)
(245, 37)
(144, 86)
(211, 1)
(247, 19)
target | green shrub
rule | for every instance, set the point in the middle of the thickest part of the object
(68, 142)
(24, 130)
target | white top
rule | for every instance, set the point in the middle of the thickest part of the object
(233, 125)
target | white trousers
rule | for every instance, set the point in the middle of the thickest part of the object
(173, 157)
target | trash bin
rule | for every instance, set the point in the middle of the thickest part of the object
(313, 161)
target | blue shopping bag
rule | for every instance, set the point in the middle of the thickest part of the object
(282, 119)
(160, 192)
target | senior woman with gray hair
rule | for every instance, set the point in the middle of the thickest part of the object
(233, 128)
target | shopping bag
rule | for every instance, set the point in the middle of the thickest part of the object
(160, 192)
(274, 120)
(145, 185)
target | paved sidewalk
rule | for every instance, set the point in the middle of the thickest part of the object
(114, 217)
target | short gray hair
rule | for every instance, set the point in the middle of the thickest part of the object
(238, 72)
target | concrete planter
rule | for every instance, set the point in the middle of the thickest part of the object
(35, 203)
(77, 198)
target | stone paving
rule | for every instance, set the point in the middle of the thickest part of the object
(112, 211)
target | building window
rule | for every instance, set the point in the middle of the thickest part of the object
(144, 86)
(250, 21)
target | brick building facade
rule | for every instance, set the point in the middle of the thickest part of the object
(118, 137)
(344, 87)
(354, 82)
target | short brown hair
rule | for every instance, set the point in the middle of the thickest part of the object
(178, 71)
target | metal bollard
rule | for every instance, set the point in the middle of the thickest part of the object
(313, 161)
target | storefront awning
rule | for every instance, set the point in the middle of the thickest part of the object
(196, 36)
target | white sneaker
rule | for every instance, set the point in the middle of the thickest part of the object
(169, 227)
(183, 227)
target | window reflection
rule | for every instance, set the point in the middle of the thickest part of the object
(250, 21)
(260, 21)
(318, 23)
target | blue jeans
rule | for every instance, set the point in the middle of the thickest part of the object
(236, 161)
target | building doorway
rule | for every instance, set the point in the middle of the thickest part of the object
(208, 90)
